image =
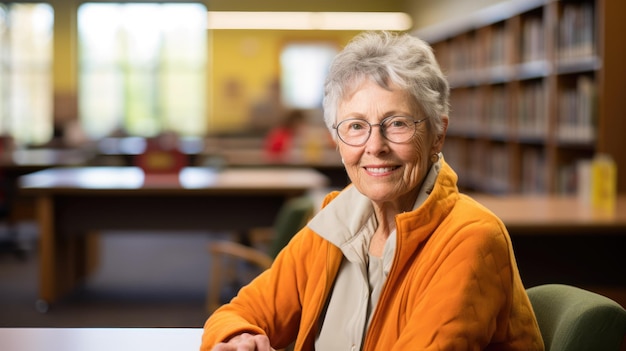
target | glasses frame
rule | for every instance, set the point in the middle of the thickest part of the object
(381, 128)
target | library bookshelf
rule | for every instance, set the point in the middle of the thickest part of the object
(537, 88)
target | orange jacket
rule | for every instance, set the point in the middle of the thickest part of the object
(453, 285)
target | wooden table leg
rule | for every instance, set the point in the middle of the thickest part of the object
(65, 258)
(47, 252)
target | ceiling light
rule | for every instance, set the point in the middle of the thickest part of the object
(309, 20)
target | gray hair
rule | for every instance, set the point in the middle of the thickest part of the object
(388, 59)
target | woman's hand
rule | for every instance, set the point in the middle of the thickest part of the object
(245, 342)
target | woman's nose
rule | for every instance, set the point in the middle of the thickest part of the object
(376, 143)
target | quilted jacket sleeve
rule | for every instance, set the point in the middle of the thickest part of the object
(467, 291)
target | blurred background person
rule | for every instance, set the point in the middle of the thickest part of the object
(266, 113)
(281, 140)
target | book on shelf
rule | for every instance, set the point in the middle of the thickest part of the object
(533, 39)
(498, 39)
(497, 112)
(466, 112)
(576, 30)
(577, 112)
(532, 119)
(533, 171)
(498, 174)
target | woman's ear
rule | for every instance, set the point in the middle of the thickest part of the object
(441, 136)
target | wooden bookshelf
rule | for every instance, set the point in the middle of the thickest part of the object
(537, 87)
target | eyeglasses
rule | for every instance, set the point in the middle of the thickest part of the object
(397, 129)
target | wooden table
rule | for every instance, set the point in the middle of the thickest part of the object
(542, 214)
(72, 202)
(100, 339)
(558, 239)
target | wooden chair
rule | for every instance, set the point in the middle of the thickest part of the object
(574, 319)
(227, 255)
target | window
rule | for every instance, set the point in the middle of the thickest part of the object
(142, 68)
(25, 72)
(304, 68)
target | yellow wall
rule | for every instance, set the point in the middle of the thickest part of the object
(244, 63)
(64, 63)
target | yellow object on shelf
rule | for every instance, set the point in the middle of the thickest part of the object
(603, 183)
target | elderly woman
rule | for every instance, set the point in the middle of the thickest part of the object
(398, 260)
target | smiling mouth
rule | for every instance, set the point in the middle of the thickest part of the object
(381, 170)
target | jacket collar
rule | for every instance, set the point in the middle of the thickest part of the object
(351, 213)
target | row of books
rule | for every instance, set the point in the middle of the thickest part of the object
(494, 46)
(576, 30)
(486, 112)
(488, 167)
(480, 167)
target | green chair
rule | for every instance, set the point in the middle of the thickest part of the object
(225, 255)
(574, 319)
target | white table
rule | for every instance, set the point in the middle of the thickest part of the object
(100, 339)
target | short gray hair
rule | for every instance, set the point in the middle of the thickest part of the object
(388, 58)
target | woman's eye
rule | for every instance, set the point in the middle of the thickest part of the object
(357, 126)
(397, 124)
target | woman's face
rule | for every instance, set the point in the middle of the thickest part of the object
(382, 170)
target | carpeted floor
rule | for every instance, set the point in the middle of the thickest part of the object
(143, 280)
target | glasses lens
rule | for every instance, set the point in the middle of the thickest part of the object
(354, 131)
(398, 129)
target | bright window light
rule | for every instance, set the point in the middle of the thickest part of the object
(26, 31)
(143, 68)
(309, 20)
(304, 67)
